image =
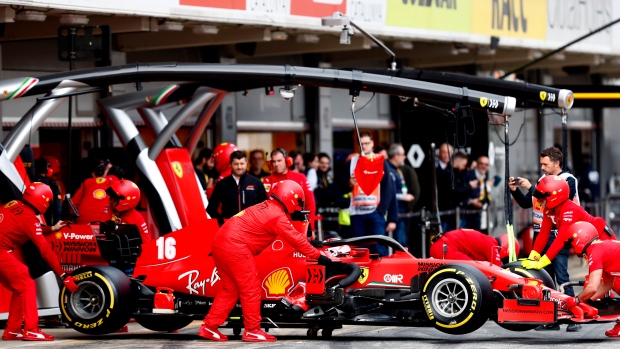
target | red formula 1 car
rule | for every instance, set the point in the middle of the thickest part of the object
(174, 281)
(168, 282)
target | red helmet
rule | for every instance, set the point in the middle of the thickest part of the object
(554, 189)
(503, 251)
(54, 163)
(581, 235)
(289, 194)
(221, 154)
(127, 193)
(38, 195)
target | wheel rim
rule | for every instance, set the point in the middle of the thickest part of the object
(449, 298)
(88, 302)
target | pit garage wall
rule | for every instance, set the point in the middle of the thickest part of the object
(537, 24)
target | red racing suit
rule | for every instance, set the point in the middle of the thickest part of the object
(133, 217)
(91, 200)
(18, 224)
(301, 179)
(563, 216)
(236, 243)
(467, 244)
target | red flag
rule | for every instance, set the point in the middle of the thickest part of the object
(369, 172)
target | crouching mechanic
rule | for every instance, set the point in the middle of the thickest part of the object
(18, 224)
(603, 265)
(236, 243)
(469, 244)
(553, 191)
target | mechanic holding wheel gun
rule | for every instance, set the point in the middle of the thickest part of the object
(236, 243)
(18, 224)
(603, 264)
(470, 244)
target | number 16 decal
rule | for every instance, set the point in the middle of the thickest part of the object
(166, 247)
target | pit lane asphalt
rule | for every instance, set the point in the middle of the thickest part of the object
(489, 336)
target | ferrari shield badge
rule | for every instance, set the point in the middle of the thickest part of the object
(178, 169)
(363, 276)
(369, 172)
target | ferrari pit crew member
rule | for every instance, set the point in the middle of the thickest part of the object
(18, 224)
(469, 244)
(91, 199)
(241, 238)
(558, 210)
(603, 265)
(235, 192)
(124, 197)
(280, 164)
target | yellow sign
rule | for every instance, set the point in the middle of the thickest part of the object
(425, 14)
(483, 102)
(178, 169)
(278, 282)
(364, 275)
(515, 18)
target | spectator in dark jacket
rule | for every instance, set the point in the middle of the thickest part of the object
(235, 192)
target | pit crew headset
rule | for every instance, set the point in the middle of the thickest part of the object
(291, 196)
(289, 160)
(582, 235)
(38, 196)
(221, 155)
(126, 192)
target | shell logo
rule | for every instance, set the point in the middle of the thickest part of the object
(178, 169)
(1, 217)
(100, 180)
(278, 283)
(58, 235)
(99, 194)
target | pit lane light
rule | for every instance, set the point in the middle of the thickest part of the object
(288, 92)
(338, 19)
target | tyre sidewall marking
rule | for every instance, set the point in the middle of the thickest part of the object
(99, 322)
(472, 305)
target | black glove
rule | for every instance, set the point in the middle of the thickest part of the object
(316, 243)
(324, 260)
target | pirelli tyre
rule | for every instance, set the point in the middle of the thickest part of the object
(458, 299)
(542, 275)
(101, 305)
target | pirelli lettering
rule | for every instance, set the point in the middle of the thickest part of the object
(82, 276)
(427, 307)
(91, 325)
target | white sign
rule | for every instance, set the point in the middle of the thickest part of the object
(415, 155)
